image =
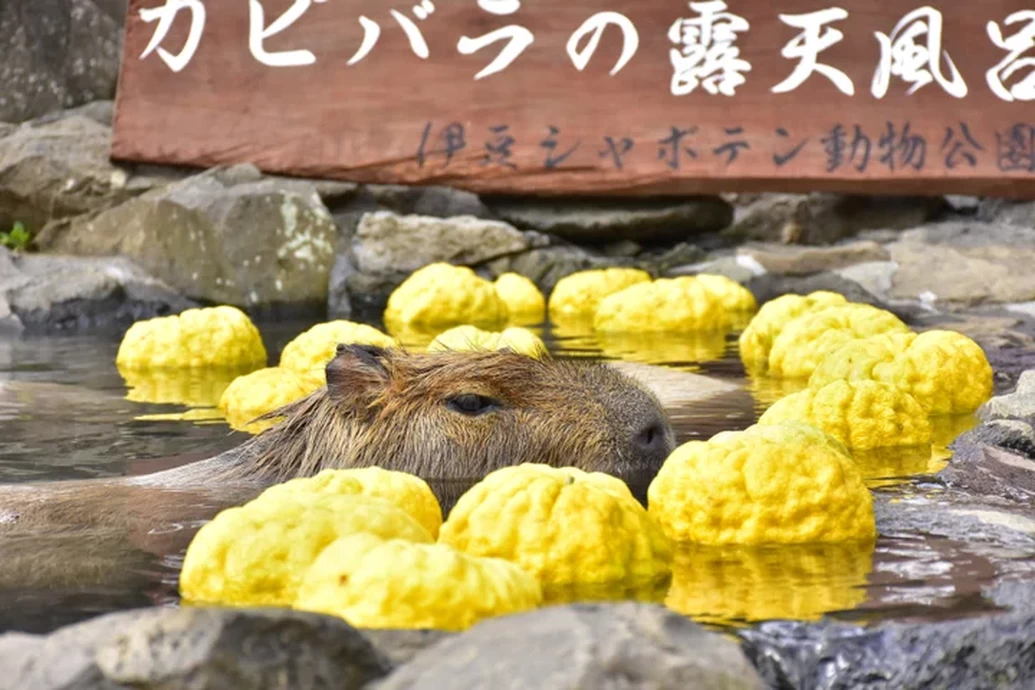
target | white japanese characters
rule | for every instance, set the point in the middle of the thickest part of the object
(517, 37)
(1017, 45)
(706, 54)
(913, 52)
(815, 37)
(594, 26)
(165, 16)
(257, 35)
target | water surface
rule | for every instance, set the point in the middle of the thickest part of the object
(67, 413)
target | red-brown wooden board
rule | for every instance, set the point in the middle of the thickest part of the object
(540, 125)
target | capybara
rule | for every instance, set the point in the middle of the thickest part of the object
(447, 417)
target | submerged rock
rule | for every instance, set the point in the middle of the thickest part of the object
(626, 645)
(60, 293)
(996, 459)
(195, 648)
(593, 221)
(994, 651)
(229, 236)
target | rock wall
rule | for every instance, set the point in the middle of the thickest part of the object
(337, 249)
(57, 54)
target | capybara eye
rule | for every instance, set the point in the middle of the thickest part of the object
(472, 404)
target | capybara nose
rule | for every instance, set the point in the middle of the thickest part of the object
(652, 439)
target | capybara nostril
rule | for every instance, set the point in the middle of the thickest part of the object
(652, 438)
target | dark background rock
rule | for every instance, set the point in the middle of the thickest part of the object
(821, 218)
(1020, 213)
(592, 221)
(628, 645)
(57, 54)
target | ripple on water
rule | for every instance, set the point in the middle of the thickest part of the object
(66, 413)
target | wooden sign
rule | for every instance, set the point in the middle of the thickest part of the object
(590, 96)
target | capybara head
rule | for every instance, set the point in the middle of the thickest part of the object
(460, 415)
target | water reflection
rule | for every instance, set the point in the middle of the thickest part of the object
(664, 348)
(768, 390)
(651, 591)
(897, 464)
(189, 387)
(738, 584)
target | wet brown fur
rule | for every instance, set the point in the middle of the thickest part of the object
(390, 409)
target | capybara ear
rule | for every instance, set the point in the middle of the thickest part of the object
(357, 375)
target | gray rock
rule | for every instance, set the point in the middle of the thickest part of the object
(547, 265)
(769, 286)
(820, 218)
(195, 648)
(962, 263)
(952, 511)
(963, 204)
(1020, 213)
(65, 658)
(875, 276)
(101, 112)
(994, 651)
(627, 645)
(801, 261)
(1001, 470)
(56, 293)
(399, 646)
(227, 235)
(57, 54)
(738, 268)
(661, 262)
(1009, 434)
(604, 220)
(339, 299)
(1020, 404)
(351, 293)
(1026, 308)
(60, 169)
(387, 242)
(435, 201)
